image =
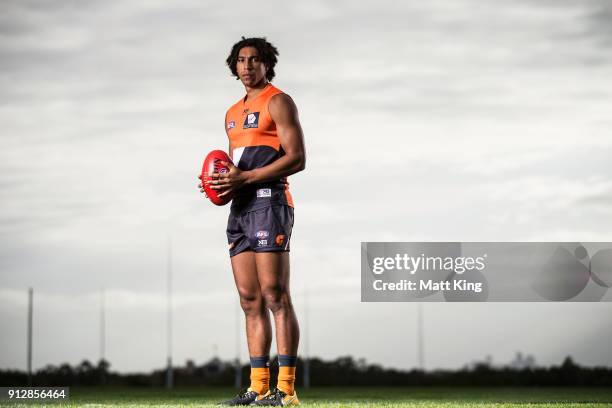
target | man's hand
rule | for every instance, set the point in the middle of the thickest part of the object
(230, 181)
(200, 186)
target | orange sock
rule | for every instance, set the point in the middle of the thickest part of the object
(286, 379)
(260, 380)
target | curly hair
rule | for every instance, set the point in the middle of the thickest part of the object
(267, 54)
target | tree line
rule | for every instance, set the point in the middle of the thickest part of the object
(343, 371)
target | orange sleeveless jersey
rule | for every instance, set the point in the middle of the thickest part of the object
(254, 142)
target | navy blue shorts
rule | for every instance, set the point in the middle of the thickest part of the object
(263, 230)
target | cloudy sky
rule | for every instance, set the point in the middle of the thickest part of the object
(424, 121)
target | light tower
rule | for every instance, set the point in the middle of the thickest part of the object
(30, 316)
(238, 373)
(169, 372)
(102, 363)
(306, 373)
(420, 334)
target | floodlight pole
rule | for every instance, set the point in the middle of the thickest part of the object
(420, 334)
(306, 373)
(238, 366)
(30, 316)
(102, 336)
(169, 371)
(102, 327)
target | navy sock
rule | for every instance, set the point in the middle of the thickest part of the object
(260, 362)
(285, 360)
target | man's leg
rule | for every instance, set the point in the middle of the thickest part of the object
(258, 328)
(273, 275)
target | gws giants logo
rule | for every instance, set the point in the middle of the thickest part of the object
(251, 121)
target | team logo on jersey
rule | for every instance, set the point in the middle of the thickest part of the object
(251, 121)
(231, 124)
(262, 234)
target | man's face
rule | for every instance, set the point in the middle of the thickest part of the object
(251, 70)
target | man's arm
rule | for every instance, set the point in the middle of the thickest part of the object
(285, 115)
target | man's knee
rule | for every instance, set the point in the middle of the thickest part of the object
(251, 302)
(276, 298)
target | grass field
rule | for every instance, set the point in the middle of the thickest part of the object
(347, 397)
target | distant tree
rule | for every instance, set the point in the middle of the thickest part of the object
(84, 367)
(568, 364)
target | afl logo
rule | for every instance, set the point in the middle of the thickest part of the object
(221, 169)
(262, 234)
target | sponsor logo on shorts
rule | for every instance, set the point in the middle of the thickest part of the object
(262, 234)
(262, 242)
(231, 124)
(280, 239)
(264, 192)
(251, 121)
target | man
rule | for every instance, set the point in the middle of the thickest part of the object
(266, 145)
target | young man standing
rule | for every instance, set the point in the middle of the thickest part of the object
(266, 145)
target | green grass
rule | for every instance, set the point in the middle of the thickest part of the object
(347, 397)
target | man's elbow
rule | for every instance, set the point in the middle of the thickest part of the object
(301, 162)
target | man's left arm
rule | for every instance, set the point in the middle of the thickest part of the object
(285, 115)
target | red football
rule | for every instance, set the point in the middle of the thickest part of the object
(212, 164)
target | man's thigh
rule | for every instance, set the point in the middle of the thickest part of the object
(245, 274)
(273, 270)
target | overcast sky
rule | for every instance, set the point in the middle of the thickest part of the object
(424, 121)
